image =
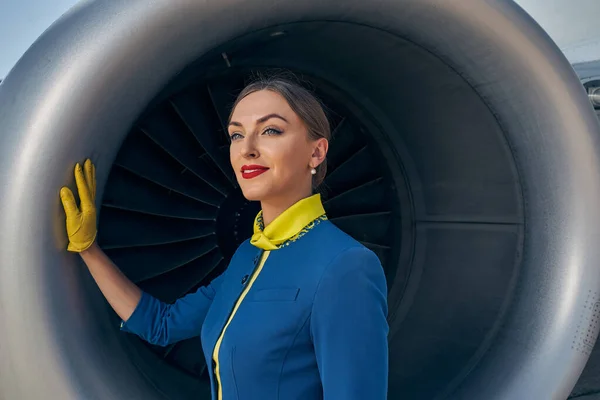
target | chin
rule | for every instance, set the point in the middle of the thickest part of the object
(252, 198)
(254, 194)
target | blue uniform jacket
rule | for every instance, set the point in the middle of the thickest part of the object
(310, 324)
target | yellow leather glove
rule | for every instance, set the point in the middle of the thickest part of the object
(81, 222)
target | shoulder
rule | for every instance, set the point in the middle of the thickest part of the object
(244, 252)
(343, 251)
(331, 240)
(353, 280)
(352, 260)
(348, 261)
(326, 249)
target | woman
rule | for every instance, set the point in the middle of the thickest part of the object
(300, 312)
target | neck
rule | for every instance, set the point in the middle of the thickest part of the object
(272, 208)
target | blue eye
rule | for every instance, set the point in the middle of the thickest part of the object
(235, 136)
(272, 131)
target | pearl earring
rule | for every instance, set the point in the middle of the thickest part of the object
(313, 171)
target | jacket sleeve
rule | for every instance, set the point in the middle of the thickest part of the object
(161, 324)
(349, 327)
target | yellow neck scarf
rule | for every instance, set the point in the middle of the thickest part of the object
(288, 224)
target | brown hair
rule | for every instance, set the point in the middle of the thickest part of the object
(306, 105)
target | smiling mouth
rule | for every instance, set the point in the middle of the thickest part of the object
(249, 173)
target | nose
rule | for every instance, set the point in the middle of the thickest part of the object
(249, 149)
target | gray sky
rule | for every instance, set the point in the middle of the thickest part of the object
(571, 23)
(21, 22)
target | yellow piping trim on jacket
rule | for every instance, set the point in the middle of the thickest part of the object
(235, 308)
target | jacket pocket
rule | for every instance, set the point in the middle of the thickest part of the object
(274, 294)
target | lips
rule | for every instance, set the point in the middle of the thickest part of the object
(252, 171)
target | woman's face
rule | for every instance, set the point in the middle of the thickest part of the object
(270, 151)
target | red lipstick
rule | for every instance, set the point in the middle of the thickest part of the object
(252, 171)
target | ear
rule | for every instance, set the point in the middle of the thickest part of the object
(320, 148)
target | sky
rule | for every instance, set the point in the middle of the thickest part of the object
(571, 23)
(21, 22)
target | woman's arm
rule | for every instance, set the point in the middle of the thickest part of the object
(156, 322)
(161, 324)
(122, 294)
(349, 327)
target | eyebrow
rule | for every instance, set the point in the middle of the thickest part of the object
(261, 119)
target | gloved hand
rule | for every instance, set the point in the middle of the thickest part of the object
(81, 222)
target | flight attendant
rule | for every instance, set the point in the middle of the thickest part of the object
(300, 312)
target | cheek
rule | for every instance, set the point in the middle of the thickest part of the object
(290, 163)
(236, 162)
(231, 153)
(234, 157)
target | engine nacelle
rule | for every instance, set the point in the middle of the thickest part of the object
(465, 153)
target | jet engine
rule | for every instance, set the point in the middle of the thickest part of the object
(465, 153)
